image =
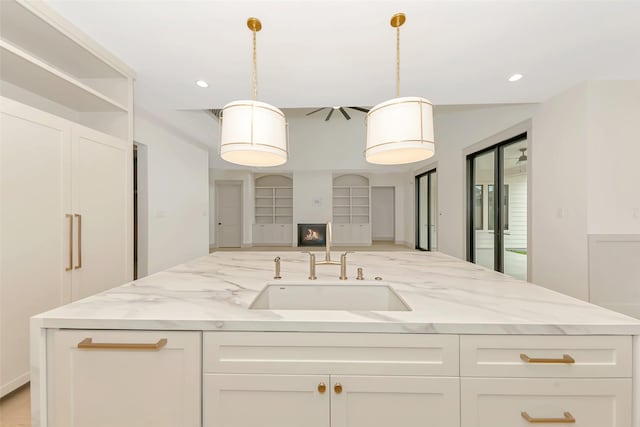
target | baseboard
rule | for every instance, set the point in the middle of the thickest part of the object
(405, 243)
(14, 384)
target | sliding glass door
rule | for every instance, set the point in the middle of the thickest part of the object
(497, 207)
(427, 211)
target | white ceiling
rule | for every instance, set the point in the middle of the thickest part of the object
(318, 53)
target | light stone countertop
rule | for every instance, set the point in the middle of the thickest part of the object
(447, 296)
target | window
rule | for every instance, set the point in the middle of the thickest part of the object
(478, 197)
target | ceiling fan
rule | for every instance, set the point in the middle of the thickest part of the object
(341, 109)
(523, 156)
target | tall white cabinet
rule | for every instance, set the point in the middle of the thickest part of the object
(65, 173)
(273, 211)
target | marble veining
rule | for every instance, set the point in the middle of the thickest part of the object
(446, 295)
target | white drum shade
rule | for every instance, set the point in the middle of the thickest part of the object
(400, 131)
(253, 134)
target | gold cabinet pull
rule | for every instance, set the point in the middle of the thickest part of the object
(565, 359)
(337, 388)
(70, 265)
(322, 387)
(79, 265)
(568, 419)
(88, 344)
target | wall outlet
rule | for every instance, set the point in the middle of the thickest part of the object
(560, 212)
(636, 213)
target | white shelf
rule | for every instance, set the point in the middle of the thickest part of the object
(351, 202)
(21, 69)
(274, 208)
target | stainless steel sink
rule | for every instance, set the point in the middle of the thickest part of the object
(369, 296)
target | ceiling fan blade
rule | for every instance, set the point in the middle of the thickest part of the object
(344, 113)
(364, 110)
(315, 111)
(329, 115)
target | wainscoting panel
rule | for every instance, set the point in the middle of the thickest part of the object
(614, 272)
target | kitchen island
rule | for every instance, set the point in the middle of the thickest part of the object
(476, 348)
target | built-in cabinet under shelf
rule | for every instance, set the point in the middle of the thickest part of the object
(273, 223)
(351, 210)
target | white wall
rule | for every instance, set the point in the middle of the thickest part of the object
(457, 128)
(312, 197)
(613, 157)
(585, 150)
(383, 213)
(178, 195)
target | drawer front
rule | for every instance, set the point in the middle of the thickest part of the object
(502, 402)
(311, 353)
(545, 356)
(123, 378)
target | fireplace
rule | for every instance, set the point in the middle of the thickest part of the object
(312, 234)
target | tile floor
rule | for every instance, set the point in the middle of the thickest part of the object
(15, 408)
(376, 246)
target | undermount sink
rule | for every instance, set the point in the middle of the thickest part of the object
(368, 296)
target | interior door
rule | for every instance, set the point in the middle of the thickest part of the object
(229, 214)
(383, 213)
(102, 167)
(34, 231)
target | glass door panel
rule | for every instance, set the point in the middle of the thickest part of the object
(433, 212)
(514, 209)
(483, 187)
(422, 222)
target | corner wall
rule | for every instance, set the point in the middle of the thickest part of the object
(178, 196)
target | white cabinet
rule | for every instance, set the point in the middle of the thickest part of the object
(65, 222)
(323, 379)
(509, 402)
(383, 401)
(35, 183)
(65, 161)
(519, 380)
(123, 378)
(273, 234)
(239, 400)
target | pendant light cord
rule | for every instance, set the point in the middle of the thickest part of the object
(398, 62)
(255, 68)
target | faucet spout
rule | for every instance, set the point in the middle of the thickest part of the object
(328, 238)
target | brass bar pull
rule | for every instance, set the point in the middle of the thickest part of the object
(79, 265)
(337, 388)
(322, 387)
(70, 265)
(88, 344)
(568, 419)
(565, 359)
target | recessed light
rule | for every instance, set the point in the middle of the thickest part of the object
(515, 77)
(202, 83)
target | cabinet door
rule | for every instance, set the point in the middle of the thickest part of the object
(520, 402)
(102, 197)
(34, 232)
(258, 234)
(394, 401)
(238, 400)
(106, 387)
(341, 234)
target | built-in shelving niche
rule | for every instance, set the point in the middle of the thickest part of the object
(47, 64)
(351, 195)
(274, 199)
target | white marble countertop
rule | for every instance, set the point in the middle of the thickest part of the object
(446, 295)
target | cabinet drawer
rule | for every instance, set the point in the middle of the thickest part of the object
(544, 356)
(311, 353)
(502, 402)
(123, 378)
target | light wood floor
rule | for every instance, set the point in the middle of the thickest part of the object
(15, 408)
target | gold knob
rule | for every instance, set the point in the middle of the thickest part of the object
(337, 388)
(322, 388)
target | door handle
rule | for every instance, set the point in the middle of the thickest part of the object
(219, 223)
(88, 344)
(70, 265)
(565, 359)
(567, 419)
(79, 265)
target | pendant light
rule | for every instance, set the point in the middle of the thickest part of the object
(400, 130)
(253, 133)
